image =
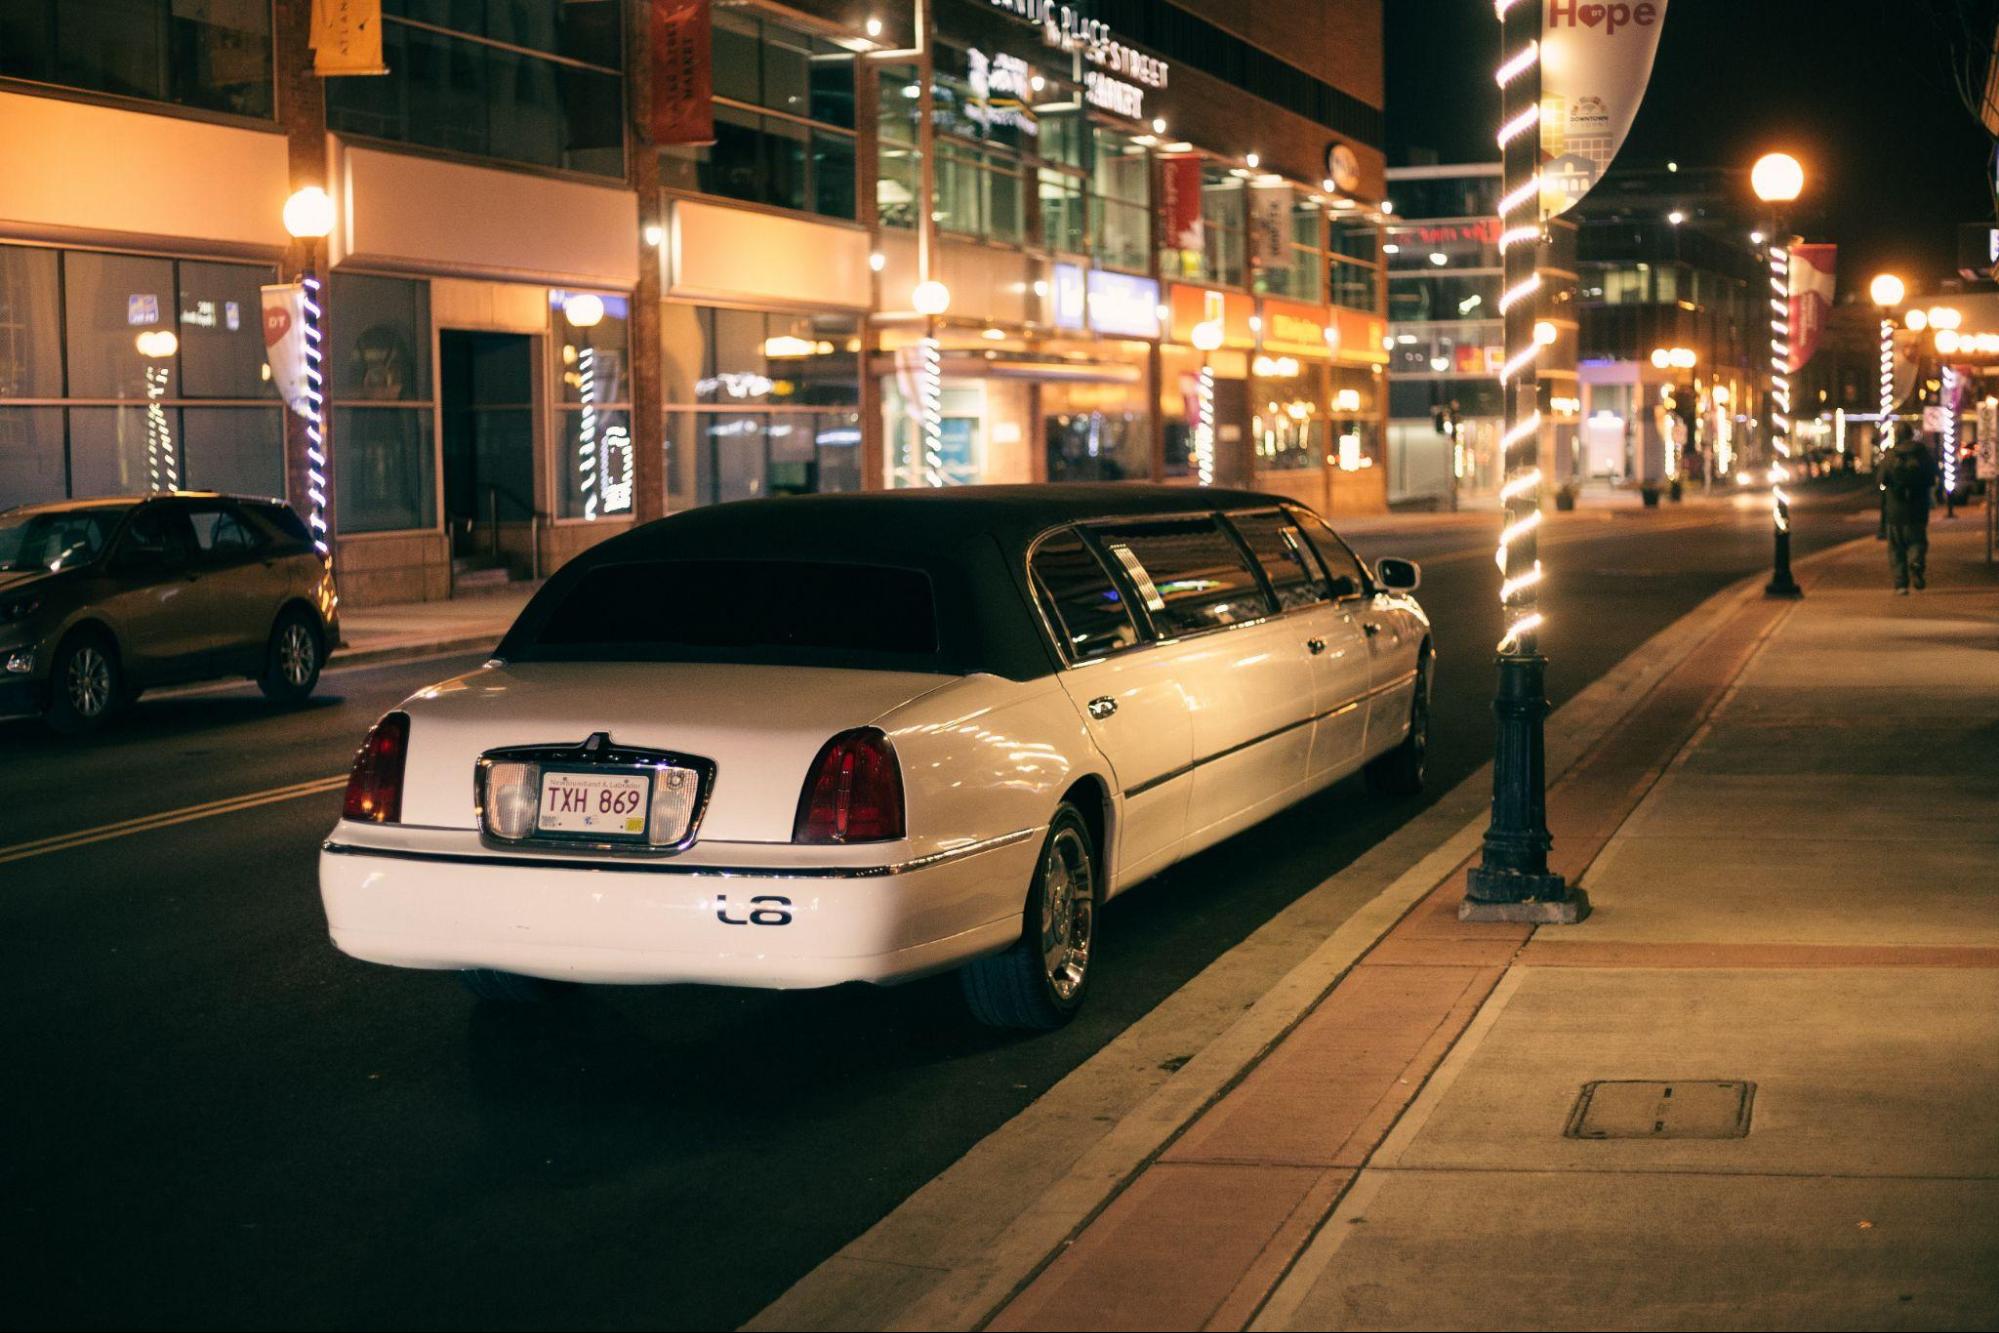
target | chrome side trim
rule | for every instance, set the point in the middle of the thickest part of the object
(1239, 747)
(680, 868)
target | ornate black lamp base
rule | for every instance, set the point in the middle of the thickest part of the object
(1550, 902)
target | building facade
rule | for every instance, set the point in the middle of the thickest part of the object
(1628, 281)
(543, 326)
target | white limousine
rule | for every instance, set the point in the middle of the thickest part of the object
(797, 742)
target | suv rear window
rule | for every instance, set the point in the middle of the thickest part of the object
(788, 611)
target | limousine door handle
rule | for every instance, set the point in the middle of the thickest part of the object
(1102, 707)
(1316, 646)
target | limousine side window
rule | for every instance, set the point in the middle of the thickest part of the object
(1342, 566)
(1084, 607)
(1197, 576)
(1294, 572)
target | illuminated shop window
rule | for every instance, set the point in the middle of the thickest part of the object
(212, 57)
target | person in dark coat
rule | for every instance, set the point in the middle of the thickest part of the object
(1908, 477)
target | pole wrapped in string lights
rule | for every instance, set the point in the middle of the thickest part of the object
(315, 416)
(931, 299)
(1947, 442)
(1887, 292)
(1512, 881)
(1778, 179)
(309, 218)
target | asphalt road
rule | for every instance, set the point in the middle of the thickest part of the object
(209, 1118)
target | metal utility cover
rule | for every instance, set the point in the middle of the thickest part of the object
(1676, 1109)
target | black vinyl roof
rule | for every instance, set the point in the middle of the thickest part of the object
(970, 540)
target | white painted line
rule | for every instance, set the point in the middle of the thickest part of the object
(126, 828)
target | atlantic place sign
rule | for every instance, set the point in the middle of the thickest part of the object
(1123, 72)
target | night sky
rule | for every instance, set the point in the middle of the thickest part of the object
(1889, 173)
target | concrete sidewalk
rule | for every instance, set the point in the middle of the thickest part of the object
(465, 624)
(1793, 851)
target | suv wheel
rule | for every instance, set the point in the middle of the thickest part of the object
(293, 660)
(85, 683)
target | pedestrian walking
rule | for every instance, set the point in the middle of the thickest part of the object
(1908, 476)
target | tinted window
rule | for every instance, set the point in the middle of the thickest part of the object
(1189, 573)
(158, 536)
(1083, 604)
(220, 533)
(739, 611)
(1342, 566)
(1294, 573)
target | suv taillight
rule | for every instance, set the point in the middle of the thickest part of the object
(375, 787)
(853, 792)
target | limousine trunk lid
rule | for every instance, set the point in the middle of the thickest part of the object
(761, 726)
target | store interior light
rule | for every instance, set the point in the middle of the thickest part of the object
(1207, 335)
(1159, 124)
(1253, 161)
(1944, 317)
(877, 261)
(1661, 358)
(874, 27)
(1683, 358)
(1916, 321)
(1676, 217)
(1545, 333)
(654, 234)
(583, 310)
(784, 345)
(1439, 258)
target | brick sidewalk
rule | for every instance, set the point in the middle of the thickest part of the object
(1714, 829)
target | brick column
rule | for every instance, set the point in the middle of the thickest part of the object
(302, 113)
(642, 173)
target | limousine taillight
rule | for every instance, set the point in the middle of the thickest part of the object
(375, 787)
(853, 792)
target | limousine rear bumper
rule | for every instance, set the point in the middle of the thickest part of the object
(640, 923)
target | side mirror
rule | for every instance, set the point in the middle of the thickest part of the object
(1398, 575)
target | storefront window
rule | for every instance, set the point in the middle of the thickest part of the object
(384, 453)
(979, 193)
(178, 344)
(1288, 429)
(213, 57)
(593, 462)
(1121, 201)
(1097, 432)
(1215, 250)
(899, 162)
(1304, 255)
(536, 84)
(784, 121)
(760, 403)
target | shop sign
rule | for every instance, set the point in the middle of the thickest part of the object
(1978, 247)
(1000, 87)
(283, 306)
(1190, 306)
(1071, 307)
(1303, 330)
(683, 76)
(1123, 305)
(1357, 338)
(142, 308)
(346, 37)
(1343, 168)
(1122, 74)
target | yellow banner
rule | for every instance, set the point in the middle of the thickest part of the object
(347, 37)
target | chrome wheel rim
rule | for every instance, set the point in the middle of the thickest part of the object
(1068, 913)
(88, 682)
(296, 654)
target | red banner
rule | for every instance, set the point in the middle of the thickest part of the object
(1811, 298)
(683, 73)
(1180, 189)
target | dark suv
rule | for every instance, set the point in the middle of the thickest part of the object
(100, 599)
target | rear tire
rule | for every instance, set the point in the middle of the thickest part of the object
(1039, 983)
(512, 988)
(86, 683)
(293, 659)
(1400, 771)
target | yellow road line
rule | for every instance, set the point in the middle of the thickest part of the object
(124, 828)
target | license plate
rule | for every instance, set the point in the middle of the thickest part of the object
(603, 805)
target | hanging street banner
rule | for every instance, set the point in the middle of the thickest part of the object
(347, 38)
(1270, 226)
(683, 73)
(1180, 188)
(1596, 59)
(284, 341)
(1811, 298)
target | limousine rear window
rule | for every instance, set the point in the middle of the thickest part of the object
(1084, 607)
(1294, 572)
(790, 611)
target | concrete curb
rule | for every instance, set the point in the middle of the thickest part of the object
(955, 1251)
(464, 643)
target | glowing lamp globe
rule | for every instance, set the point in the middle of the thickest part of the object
(583, 310)
(1886, 289)
(1944, 317)
(309, 213)
(931, 298)
(1208, 335)
(1661, 358)
(1777, 178)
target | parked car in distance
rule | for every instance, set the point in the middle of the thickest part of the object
(804, 741)
(100, 599)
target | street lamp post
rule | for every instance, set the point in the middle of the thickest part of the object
(1887, 291)
(1513, 881)
(309, 218)
(1778, 180)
